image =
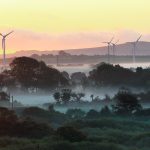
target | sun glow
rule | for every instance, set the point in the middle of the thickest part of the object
(71, 16)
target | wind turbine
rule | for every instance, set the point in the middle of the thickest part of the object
(114, 50)
(4, 46)
(134, 48)
(109, 44)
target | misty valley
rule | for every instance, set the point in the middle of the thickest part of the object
(74, 75)
(106, 107)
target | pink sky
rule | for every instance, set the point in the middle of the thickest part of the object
(28, 40)
(65, 24)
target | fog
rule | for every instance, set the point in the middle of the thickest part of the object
(33, 100)
(88, 67)
(38, 99)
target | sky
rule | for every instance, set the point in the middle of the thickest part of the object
(67, 24)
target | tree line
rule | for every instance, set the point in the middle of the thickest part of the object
(27, 72)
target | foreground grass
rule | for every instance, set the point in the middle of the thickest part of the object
(102, 134)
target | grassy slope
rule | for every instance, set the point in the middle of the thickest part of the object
(103, 134)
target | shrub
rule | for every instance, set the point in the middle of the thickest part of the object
(92, 114)
(71, 134)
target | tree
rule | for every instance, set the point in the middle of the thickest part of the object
(23, 69)
(7, 115)
(79, 78)
(92, 114)
(11, 125)
(66, 75)
(6, 79)
(107, 74)
(31, 73)
(66, 95)
(126, 103)
(105, 111)
(57, 97)
(8, 121)
(4, 96)
(92, 97)
(77, 96)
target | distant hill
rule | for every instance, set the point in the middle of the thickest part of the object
(143, 48)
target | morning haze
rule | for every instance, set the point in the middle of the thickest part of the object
(74, 75)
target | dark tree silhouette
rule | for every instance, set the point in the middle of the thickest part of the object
(30, 72)
(66, 95)
(107, 74)
(4, 96)
(105, 111)
(23, 69)
(126, 103)
(92, 114)
(92, 97)
(57, 97)
(77, 96)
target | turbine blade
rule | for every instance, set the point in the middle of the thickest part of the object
(1, 34)
(111, 40)
(117, 42)
(139, 38)
(9, 33)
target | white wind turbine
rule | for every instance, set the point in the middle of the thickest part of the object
(134, 48)
(114, 50)
(4, 46)
(109, 44)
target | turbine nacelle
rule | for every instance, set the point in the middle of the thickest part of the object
(114, 44)
(109, 41)
(5, 35)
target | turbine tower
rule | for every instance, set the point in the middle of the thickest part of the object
(4, 46)
(114, 50)
(134, 48)
(109, 44)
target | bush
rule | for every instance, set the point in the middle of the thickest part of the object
(30, 129)
(105, 111)
(143, 113)
(71, 134)
(63, 146)
(98, 146)
(92, 114)
(42, 115)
